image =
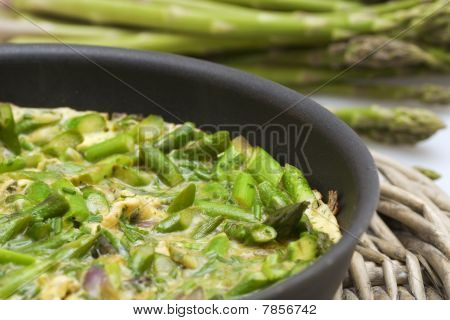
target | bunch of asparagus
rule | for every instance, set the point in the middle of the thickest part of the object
(302, 44)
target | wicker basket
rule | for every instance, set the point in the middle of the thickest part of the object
(405, 253)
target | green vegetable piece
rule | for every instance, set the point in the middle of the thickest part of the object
(257, 208)
(59, 144)
(183, 200)
(122, 143)
(263, 167)
(232, 158)
(118, 159)
(226, 211)
(96, 201)
(115, 242)
(250, 233)
(296, 185)
(219, 245)
(39, 230)
(286, 220)
(13, 164)
(275, 270)
(150, 128)
(78, 208)
(15, 279)
(176, 139)
(213, 191)
(244, 190)
(430, 173)
(163, 268)
(250, 282)
(141, 258)
(158, 162)
(25, 144)
(32, 160)
(94, 174)
(8, 256)
(304, 248)
(91, 122)
(208, 147)
(8, 133)
(14, 227)
(207, 227)
(132, 232)
(102, 169)
(176, 222)
(272, 197)
(57, 225)
(38, 191)
(183, 257)
(31, 122)
(53, 206)
(132, 176)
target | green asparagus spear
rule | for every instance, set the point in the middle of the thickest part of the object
(178, 221)
(274, 269)
(176, 139)
(158, 162)
(38, 191)
(395, 126)
(121, 143)
(219, 245)
(8, 256)
(363, 52)
(286, 220)
(303, 249)
(91, 122)
(242, 23)
(183, 257)
(250, 233)
(163, 268)
(8, 133)
(132, 176)
(206, 148)
(296, 185)
(78, 209)
(39, 230)
(12, 164)
(226, 211)
(115, 242)
(14, 280)
(102, 169)
(96, 201)
(426, 93)
(263, 167)
(150, 128)
(298, 5)
(233, 158)
(31, 122)
(141, 258)
(272, 197)
(53, 206)
(244, 190)
(249, 282)
(430, 173)
(207, 227)
(183, 200)
(58, 146)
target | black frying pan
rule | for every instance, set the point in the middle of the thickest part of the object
(182, 89)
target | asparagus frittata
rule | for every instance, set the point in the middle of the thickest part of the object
(127, 207)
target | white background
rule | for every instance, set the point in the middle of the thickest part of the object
(123, 310)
